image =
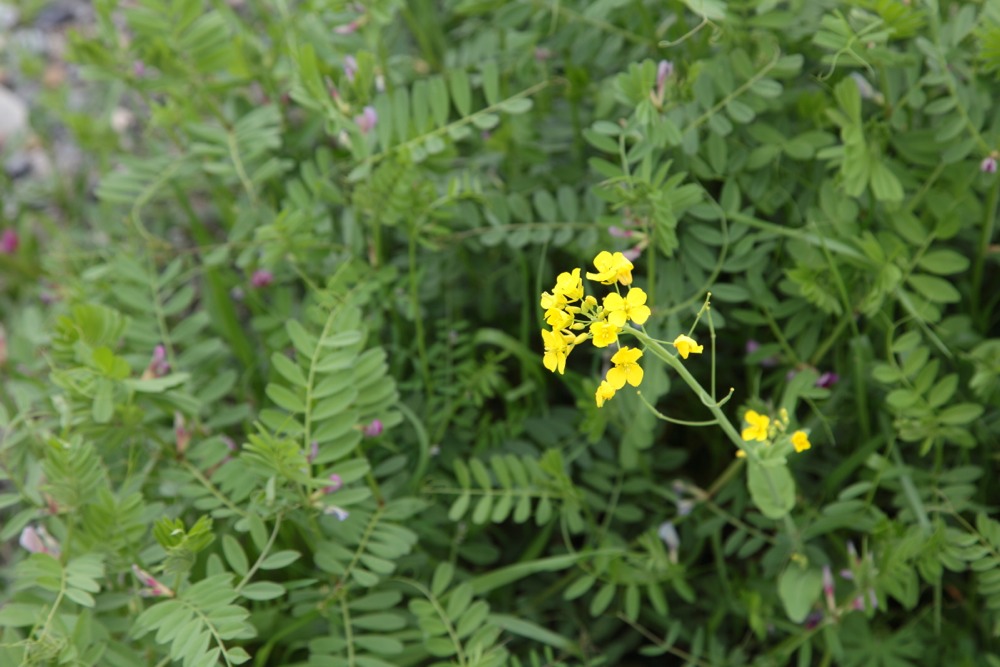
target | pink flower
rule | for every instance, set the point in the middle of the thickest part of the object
(632, 254)
(38, 541)
(9, 241)
(153, 588)
(988, 165)
(663, 70)
(619, 233)
(373, 430)
(348, 28)
(335, 484)
(827, 380)
(350, 68)
(831, 603)
(261, 278)
(367, 120)
(158, 365)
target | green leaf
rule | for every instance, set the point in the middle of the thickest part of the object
(491, 82)
(771, 487)
(943, 262)
(961, 414)
(262, 590)
(280, 559)
(461, 93)
(285, 398)
(713, 10)
(235, 555)
(934, 289)
(799, 588)
(288, 369)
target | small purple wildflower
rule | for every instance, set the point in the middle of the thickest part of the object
(373, 430)
(350, 68)
(261, 278)
(338, 512)
(619, 233)
(139, 69)
(668, 533)
(988, 165)
(632, 254)
(348, 28)
(38, 541)
(335, 484)
(153, 587)
(158, 365)
(9, 241)
(813, 619)
(663, 71)
(831, 603)
(752, 346)
(367, 120)
(827, 380)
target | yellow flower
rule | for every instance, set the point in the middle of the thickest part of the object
(611, 268)
(556, 350)
(605, 392)
(550, 301)
(800, 441)
(604, 333)
(626, 369)
(686, 345)
(757, 429)
(740, 454)
(569, 285)
(558, 319)
(632, 307)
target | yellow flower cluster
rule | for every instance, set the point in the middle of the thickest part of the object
(575, 318)
(760, 428)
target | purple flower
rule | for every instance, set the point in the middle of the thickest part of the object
(632, 254)
(158, 365)
(348, 28)
(261, 278)
(827, 380)
(668, 533)
(373, 430)
(619, 233)
(335, 484)
(663, 71)
(338, 512)
(752, 346)
(9, 241)
(38, 541)
(139, 69)
(813, 619)
(828, 587)
(988, 165)
(367, 120)
(153, 588)
(350, 68)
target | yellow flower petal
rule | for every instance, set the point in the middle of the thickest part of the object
(605, 392)
(617, 377)
(686, 345)
(800, 440)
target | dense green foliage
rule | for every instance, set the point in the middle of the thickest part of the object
(336, 219)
